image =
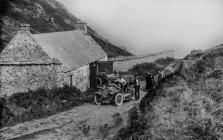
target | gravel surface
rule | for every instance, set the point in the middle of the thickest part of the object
(98, 121)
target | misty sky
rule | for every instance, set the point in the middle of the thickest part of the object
(148, 26)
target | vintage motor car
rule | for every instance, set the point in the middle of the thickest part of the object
(109, 91)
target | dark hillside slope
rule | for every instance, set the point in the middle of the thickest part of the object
(112, 49)
(44, 16)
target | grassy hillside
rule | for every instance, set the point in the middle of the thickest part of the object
(44, 16)
(187, 103)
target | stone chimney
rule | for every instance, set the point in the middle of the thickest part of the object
(25, 28)
(82, 26)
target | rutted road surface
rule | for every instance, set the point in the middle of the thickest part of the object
(68, 125)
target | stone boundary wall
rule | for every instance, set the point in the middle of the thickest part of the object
(126, 63)
(22, 78)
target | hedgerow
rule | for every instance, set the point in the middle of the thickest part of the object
(40, 103)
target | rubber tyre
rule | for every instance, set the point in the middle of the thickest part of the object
(97, 99)
(99, 82)
(132, 92)
(119, 99)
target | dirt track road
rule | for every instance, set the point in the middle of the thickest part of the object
(68, 125)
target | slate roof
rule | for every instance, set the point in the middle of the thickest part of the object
(22, 50)
(72, 48)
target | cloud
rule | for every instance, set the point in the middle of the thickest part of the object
(146, 26)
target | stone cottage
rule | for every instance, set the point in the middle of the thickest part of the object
(77, 52)
(31, 61)
(25, 66)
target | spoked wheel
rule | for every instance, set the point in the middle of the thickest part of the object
(97, 99)
(118, 99)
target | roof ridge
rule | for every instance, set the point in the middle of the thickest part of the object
(73, 48)
(54, 32)
(22, 49)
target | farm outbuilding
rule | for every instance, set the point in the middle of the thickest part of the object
(48, 60)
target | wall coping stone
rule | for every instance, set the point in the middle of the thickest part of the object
(139, 56)
(29, 63)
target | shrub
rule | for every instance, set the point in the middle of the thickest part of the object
(200, 66)
(137, 125)
(204, 129)
(164, 61)
(143, 68)
(152, 67)
(215, 74)
(210, 62)
(40, 103)
(88, 96)
(145, 105)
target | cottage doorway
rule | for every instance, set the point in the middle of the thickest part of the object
(105, 66)
(93, 76)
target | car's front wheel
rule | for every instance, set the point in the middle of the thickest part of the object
(118, 99)
(97, 99)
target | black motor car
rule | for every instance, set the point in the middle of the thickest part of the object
(110, 91)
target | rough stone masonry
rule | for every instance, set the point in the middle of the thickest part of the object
(25, 66)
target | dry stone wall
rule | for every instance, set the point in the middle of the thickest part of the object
(15, 79)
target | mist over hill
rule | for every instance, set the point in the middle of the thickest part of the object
(45, 16)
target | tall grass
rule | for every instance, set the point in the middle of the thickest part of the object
(137, 125)
(186, 105)
(40, 103)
